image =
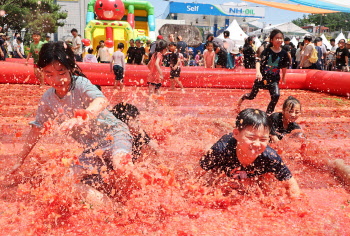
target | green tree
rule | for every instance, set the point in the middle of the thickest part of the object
(334, 21)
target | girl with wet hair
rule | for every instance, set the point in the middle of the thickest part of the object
(155, 76)
(268, 66)
(78, 109)
(284, 122)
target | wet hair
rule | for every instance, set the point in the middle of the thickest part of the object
(247, 41)
(19, 39)
(120, 45)
(62, 53)
(290, 102)
(125, 111)
(36, 33)
(172, 44)
(74, 30)
(226, 33)
(160, 46)
(99, 87)
(308, 38)
(287, 39)
(90, 50)
(273, 34)
(252, 118)
(332, 40)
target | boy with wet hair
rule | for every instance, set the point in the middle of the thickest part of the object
(245, 154)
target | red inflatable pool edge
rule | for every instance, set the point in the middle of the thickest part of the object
(14, 71)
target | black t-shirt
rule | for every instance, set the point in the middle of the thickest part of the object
(276, 122)
(223, 156)
(131, 53)
(286, 48)
(2, 45)
(181, 47)
(271, 63)
(340, 55)
(139, 52)
(138, 141)
(173, 57)
(249, 57)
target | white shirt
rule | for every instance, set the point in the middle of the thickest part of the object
(90, 58)
(331, 56)
(119, 58)
(77, 41)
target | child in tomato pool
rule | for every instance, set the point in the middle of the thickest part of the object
(268, 68)
(129, 114)
(284, 122)
(78, 109)
(245, 154)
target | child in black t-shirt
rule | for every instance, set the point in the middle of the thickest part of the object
(273, 58)
(341, 57)
(139, 53)
(245, 154)
(175, 66)
(284, 122)
(131, 52)
(129, 114)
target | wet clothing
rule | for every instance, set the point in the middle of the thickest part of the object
(249, 57)
(223, 157)
(153, 75)
(340, 55)
(131, 55)
(139, 52)
(209, 59)
(173, 58)
(276, 122)
(118, 72)
(138, 142)
(34, 50)
(270, 66)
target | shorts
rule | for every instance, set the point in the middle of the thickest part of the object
(175, 73)
(118, 71)
(157, 86)
(90, 161)
(104, 62)
(222, 58)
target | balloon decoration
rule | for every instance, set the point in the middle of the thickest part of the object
(109, 43)
(86, 42)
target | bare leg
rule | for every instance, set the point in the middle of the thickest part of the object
(121, 85)
(39, 75)
(172, 84)
(151, 89)
(94, 197)
(179, 83)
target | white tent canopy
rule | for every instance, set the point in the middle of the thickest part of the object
(236, 34)
(326, 42)
(257, 42)
(340, 36)
(294, 41)
(287, 28)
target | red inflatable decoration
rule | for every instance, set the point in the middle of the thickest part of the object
(109, 43)
(86, 42)
(109, 9)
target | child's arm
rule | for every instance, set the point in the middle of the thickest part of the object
(292, 188)
(213, 66)
(258, 73)
(123, 64)
(98, 53)
(159, 69)
(205, 62)
(284, 71)
(32, 139)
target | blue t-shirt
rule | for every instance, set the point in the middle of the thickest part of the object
(79, 97)
(223, 157)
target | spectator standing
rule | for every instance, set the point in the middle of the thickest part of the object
(307, 53)
(90, 57)
(181, 45)
(103, 53)
(262, 47)
(331, 55)
(298, 53)
(139, 53)
(209, 56)
(147, 49)
(199, 58)
(131, 52)
(18, 48)
(287, 47)
(3, 53)
(47, 38)
(9, 47)
(324, 52)
(249, 54)
(229, 45)
(153, 46)
(318, 43)
(342, 55)
(219, 49)
(348, 48)
(77, 46)
(293, 51)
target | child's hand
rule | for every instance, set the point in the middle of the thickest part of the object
(71, 123)
(161, 77)
(259, 76)
(123, 75)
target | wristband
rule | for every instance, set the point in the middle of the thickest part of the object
(84, 114)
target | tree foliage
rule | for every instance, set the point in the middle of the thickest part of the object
(334, 21)
(33, 15)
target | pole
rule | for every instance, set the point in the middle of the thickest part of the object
(319, 30)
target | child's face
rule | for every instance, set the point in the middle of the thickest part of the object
(277, 40)
(138, 44)
(292, 114)
(36, 37)
(199, 53)
(171, 48)
(210, 47)
(251, 142)
(57, 76)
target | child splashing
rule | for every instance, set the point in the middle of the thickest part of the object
(284, 122)
(155, 76)
(80, 110)
(268, 68)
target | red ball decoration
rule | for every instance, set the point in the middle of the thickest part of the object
(86, 42)
(109, 43)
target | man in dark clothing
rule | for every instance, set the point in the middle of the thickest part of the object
(181, 45)
(341, 55)
(3, 51)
